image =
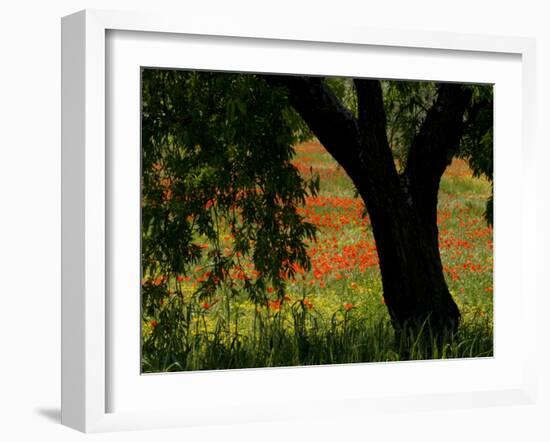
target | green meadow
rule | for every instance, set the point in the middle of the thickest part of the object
(334, 313)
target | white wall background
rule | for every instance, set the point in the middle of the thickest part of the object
(30, 215)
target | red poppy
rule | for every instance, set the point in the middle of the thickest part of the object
(274, 305)
(308, 303)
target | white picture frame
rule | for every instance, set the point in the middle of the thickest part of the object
(86, 310)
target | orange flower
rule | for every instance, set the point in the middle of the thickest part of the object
(206, 305)
(154, 323)
(348, 306)
(158, 281)
(274, 305)
(308, 303)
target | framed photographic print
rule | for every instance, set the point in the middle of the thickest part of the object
(268, 210)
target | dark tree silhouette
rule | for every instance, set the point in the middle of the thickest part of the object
(402, 207)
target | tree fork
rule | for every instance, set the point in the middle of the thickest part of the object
(402, 209)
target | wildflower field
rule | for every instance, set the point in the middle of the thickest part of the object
(335, 312)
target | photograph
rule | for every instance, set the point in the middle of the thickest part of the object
(298, 220)
(275, 221)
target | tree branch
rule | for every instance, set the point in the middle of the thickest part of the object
(434, 146)
(372, 122)
(360, 146)
(439, 136)
(370, 104)
(332, 123)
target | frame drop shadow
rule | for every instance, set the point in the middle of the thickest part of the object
(51, 414)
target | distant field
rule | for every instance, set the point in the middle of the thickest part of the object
(335, 313)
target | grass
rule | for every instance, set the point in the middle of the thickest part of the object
(335, 313)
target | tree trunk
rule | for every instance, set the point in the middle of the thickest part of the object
(415, 291)
(402, 208)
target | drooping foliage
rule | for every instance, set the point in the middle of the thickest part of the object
(218, 187)
(477, 142)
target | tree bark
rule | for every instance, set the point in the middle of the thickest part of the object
(402, 208)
